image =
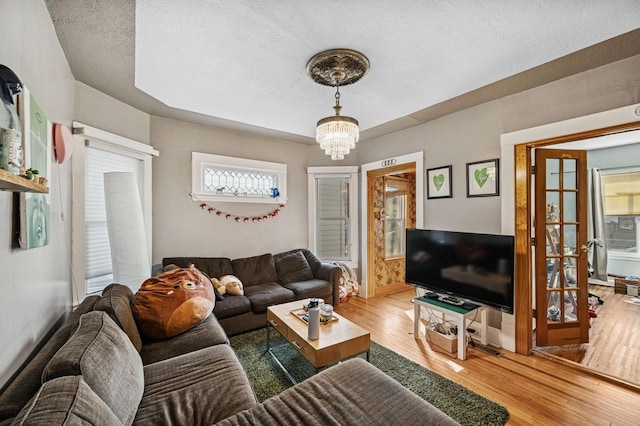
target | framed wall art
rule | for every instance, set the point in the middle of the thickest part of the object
(483, 178)
(35, 208)
(439, 182)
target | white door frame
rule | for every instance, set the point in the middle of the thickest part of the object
(418, 159)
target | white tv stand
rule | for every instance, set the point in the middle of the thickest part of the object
(459, 313)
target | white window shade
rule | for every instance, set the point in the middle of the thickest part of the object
(98, 251)
(621, 194)
(94, 153)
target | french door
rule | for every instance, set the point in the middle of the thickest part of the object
(561, 278)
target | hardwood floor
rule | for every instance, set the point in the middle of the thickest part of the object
(614, 338)
(535, 390)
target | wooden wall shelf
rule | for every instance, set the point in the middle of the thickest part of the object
(15, 183)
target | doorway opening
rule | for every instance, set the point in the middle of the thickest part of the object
(524, 204)
(391, 201)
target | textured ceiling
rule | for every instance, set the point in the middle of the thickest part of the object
(240, 65)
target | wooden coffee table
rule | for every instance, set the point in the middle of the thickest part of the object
(338, 340)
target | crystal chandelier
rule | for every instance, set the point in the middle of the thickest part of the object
(337, 134)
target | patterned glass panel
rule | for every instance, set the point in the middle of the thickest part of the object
(239, 183)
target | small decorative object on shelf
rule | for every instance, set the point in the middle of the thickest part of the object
(275, 193)
(30, 174)
(326, 312)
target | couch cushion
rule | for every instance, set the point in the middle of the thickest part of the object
(116, 301)
(267, 294)
(293, 267)
(27, 382)
(232, 306)
(198, 388)
(214, 267)
(351, 393)
(312, 259)
(208, 333)
(66, 400)
(103, 354)
(311, 288)
(255, 270)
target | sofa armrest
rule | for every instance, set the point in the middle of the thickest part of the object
(332, 273)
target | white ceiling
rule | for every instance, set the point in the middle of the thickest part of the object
(241, 64)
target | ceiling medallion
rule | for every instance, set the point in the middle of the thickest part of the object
(337, 134)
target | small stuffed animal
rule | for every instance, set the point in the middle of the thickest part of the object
(173, 302)
(221, 289)
(232, 285)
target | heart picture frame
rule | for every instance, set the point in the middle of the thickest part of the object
(439, 182)
(483, 178)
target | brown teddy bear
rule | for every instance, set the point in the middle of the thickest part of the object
(173, 302)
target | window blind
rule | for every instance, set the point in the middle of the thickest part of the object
(98, 251)
(333, 218)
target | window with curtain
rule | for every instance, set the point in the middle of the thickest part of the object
(621, 193)
(333, 223)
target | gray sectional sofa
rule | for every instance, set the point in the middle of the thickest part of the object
(268, 280)
(97, 369)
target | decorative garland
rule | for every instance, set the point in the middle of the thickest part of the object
(245, 219)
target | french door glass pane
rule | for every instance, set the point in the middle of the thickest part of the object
(553, 173)
(569, 174)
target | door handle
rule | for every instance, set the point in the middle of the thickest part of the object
(584, 248)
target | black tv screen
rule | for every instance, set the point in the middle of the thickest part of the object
(476, 267)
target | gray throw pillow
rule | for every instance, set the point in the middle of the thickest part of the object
(66, 400)
(116, 301)
(103, 354)
(293, 268)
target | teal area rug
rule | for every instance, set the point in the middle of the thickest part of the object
(465, 406)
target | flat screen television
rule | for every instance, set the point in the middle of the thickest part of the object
(475, 267)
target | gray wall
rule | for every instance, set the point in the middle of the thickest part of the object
(35, 283)
(611, 158)
(182, 228)
(96, 109)
(474, 134)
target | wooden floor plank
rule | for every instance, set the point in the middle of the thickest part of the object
(614, 338)
(535, 390)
